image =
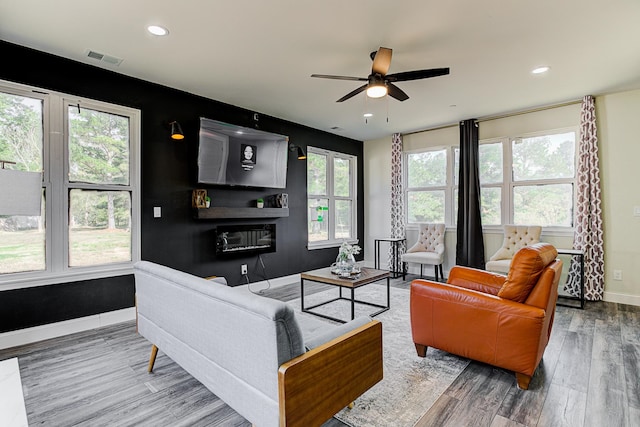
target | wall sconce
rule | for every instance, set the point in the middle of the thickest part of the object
(299, 150)
(176, 130)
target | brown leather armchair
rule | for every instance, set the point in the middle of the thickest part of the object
(504, 321)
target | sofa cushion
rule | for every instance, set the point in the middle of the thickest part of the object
(526, 267)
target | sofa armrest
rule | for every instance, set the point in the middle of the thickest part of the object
(478, 280)
(314, 386)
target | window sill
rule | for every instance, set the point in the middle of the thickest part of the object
(42, 278)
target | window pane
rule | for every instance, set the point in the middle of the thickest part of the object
(490, 208)
(21, 132)
(456, 165)
(22, 243)
(427, 169)
(98, 147)
(425, 206)
(545, 205)
(343, 219)
(317, 174)
(490, 158)
(544, 157)
(99, 227)
(341, 174)
(318, 220)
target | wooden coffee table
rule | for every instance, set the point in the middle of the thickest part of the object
(324, 275)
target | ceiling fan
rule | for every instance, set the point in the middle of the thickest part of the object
(379, 83)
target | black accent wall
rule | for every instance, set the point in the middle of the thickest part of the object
(168, 174)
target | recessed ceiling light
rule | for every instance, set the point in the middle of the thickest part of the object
(157, 30)
(540, 70)
(368, 114)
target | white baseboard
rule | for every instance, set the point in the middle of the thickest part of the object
(58, 329)
(621, 298)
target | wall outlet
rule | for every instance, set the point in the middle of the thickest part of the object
(243, 269)
(617, 274)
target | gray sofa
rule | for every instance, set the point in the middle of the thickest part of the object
(271, 366)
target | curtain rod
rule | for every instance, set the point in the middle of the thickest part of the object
(501, 116)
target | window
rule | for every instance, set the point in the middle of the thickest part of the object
(523, 180)
(88, 153)
(543, 179)
(331, 190)
(426, 179)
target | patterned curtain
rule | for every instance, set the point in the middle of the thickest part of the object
(397, 204)
(588, 230)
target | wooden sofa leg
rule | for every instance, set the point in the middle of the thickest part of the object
(152, 359)
(523, 381)
(421, 349)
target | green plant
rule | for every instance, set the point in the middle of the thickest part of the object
(260, 201)
(207, 199)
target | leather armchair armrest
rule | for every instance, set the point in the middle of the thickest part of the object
(478, 280)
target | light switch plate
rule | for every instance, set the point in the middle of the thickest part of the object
(157, 211)
(636, 211)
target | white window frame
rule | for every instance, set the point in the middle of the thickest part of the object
(332, 241)
(510, 183)
(507, 185)
(56, 186)
(447, 187)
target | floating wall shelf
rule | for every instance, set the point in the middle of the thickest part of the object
(239, 213)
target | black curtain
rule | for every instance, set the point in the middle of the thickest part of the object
(470, 243)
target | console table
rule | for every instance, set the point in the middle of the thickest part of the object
(395, 244)
(580, 254)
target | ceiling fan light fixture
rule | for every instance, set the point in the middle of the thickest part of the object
(377, 91)
(377, 87)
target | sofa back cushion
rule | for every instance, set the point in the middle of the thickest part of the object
(526, 267)
(245, 337)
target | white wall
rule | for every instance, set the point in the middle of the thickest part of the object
(619, 144)
(618, 116)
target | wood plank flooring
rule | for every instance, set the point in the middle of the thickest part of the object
(589, 376)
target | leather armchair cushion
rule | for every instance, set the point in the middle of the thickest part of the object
(527, 265)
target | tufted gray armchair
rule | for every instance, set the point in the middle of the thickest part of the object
(516, 237)
(429, 249)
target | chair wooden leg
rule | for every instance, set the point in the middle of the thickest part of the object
(441, 273)
(404, 270)
(523, 381)
(421, 349)
(435, 268)
(421, 271)
(152, 359)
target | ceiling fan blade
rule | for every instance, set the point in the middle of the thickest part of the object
(325, 76)
(382, 61)
(397, 93)
(418, 74)
(353, 93)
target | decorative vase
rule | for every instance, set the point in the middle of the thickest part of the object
(345, 264)
(260, 205)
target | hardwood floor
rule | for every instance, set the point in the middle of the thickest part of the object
(589, 376)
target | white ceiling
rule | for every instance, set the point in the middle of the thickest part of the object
(260, 54)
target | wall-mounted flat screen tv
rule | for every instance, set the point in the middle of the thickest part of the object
(240, 156)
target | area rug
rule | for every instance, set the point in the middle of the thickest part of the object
(411, 384)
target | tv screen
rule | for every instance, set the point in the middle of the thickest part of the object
(236, 155)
